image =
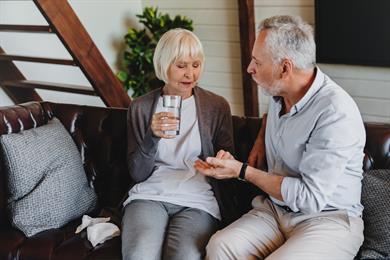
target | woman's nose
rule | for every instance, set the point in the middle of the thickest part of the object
(188, 73)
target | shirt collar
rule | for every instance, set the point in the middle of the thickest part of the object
(315, 86)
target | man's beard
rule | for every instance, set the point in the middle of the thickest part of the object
(267, 90)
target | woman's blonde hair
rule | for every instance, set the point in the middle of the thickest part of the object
(174, 45)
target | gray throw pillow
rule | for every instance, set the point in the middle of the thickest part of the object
(376, 215)
(47, 184)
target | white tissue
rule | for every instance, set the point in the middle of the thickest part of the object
(101, 232)
(98, 230)
(88, 221)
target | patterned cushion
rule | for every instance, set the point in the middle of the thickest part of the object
(47, 184)
(376, 215)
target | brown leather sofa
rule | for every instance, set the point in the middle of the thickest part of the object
(100, 134)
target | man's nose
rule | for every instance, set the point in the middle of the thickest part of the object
(250, 68)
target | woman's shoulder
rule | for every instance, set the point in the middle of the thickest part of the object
(211, 97)
(144, 100)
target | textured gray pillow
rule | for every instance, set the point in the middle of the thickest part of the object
(376, 215)
(47, 184)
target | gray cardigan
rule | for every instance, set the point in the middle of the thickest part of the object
(216, 132)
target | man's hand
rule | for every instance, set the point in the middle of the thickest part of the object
(257, 155)
(219, 168)
(227, 168)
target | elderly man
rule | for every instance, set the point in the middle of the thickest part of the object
(313, 140)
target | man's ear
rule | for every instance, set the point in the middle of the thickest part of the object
(287, 67)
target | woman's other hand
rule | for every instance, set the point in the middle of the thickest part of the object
(164, 121)
(257, 155)
(224, 155)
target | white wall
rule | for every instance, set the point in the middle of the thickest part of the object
(105, 21)
(216, 24)
(369, 86)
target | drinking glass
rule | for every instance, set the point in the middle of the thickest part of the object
(172, 103)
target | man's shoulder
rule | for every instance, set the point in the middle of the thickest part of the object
(333, 96)
(336, 107)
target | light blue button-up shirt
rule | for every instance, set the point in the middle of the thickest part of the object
(318, 147)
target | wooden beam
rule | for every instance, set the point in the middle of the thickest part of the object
(25, 28)
(63, 20)
(4, 56)
(247, 36)
(32, 84)
(10, 72)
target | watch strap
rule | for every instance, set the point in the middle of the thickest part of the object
(241, 176)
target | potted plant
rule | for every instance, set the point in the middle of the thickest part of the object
(138, 57)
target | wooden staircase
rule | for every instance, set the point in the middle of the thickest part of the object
(64, 23)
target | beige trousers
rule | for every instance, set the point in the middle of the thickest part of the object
(271, 232)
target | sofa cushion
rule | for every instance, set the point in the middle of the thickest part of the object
(47, 184)
(376, 214)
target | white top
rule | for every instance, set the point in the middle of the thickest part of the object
(174, 179)
(318, 147)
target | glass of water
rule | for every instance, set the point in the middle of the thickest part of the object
(172, 103)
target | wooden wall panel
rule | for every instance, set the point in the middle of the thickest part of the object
(216, 24)
(368, 86)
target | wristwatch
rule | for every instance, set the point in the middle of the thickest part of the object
(241, 176)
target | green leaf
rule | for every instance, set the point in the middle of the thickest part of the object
(122, 76)
(138, 73)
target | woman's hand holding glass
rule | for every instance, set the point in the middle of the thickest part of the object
(162, 122)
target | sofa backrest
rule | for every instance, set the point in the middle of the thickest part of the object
(377, 149)
(100, 134)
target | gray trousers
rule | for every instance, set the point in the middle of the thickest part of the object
(160, 230)
(270, 232)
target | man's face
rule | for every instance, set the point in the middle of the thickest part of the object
(262, 69)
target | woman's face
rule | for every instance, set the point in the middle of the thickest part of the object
(183, 76)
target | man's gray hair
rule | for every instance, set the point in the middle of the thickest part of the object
(292, 38)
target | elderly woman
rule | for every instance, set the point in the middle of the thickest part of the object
(173, 210)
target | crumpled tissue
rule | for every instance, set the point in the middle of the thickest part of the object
(98, 231)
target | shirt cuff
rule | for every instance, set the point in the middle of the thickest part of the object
(289, 192)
